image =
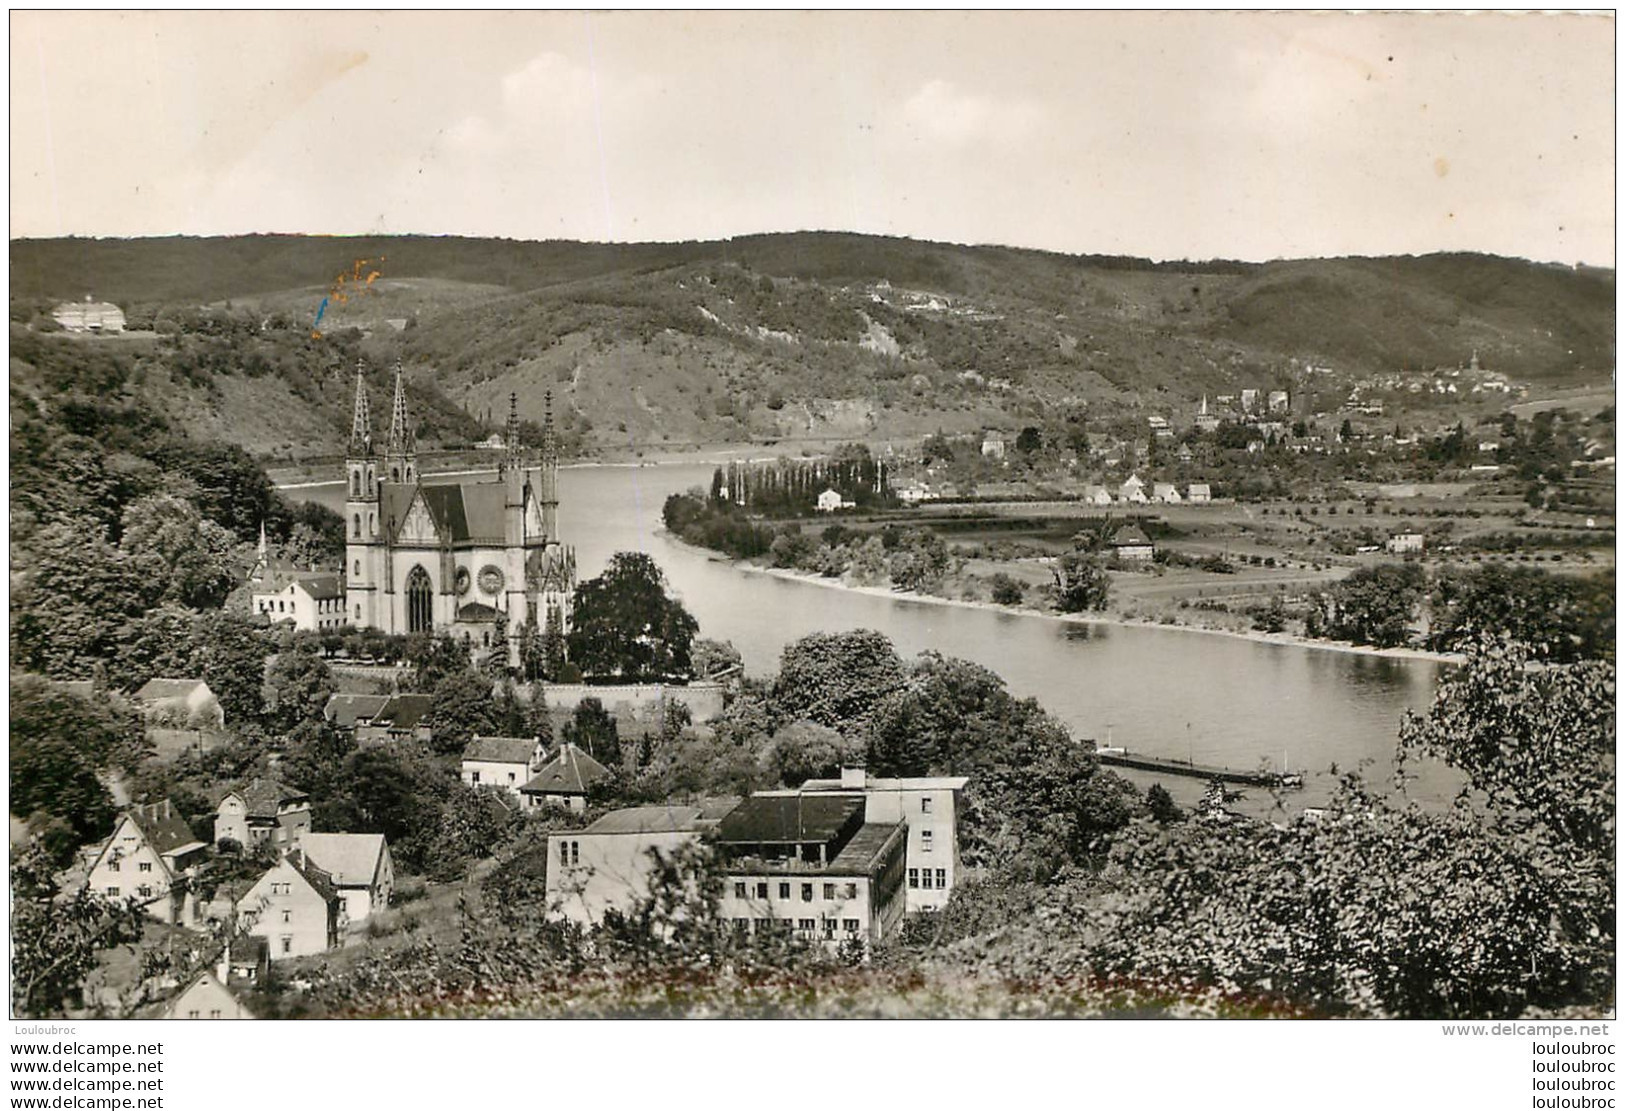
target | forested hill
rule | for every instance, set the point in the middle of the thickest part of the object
(826, 335)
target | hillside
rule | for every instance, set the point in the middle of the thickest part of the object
(817, 335)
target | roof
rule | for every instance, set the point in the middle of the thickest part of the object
(314, 875)
(83, 688)
(265, 797)
(478, 611)
(1130, 536)
(351, 859)
(863, 853)
(501, 750)
(784, 819)
(570, 772)
(321, 585)
(1200, 488)
(462, 512)
(648, 819)
(905, 783)
(164, 829)
(344, 710)
(404, 711)
(154, 690)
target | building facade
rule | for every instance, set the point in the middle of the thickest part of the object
(294, 907)
(360, 868)
(477, 560)
(151, 851)
(264, 812)
(312, 601)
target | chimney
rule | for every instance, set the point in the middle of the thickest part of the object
(854, 778)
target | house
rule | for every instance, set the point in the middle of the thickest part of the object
(310, 600)
(1096, 495)
(993, 445)
(206, 998)
(915, 493)
(151, 851)
(1206, 421)
(1249, 400)
(360, 867)
(607, 865)
(404, 717)
(263, 813)
(1165, 493)
(89, 316)
(347, 711)
(1280, 401)
(930, 807)
(1132, 491)
(813, 864)
(1159, 427)
(1184, 453)
(187, 702)
(830, 500)
(563, 781)
(295, 907)
(1198, 493)
(1131, 545)
(248, 961)
(1402, 542)
(502, 761)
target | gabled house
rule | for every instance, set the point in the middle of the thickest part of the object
(359, 866)
(403, 717)
(1132, 491)
(151, 851)
(1165, 493)
(187, 702)
(1199, 493)
(993, 445)
(311, 600)
(1096, 495)
(347, 711)
(206, 998)
(264, 812)
(295, 907)
(563, 781)
(830, 500)
(507, 762)
(1131, 545)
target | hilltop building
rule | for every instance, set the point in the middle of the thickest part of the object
(89, 316)
(478, 559)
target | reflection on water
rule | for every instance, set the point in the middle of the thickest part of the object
(1210, 699)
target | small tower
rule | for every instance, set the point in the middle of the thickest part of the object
(400, 453)
(361, 565)
(547, 493)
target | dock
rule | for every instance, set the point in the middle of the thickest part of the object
(1261, 778)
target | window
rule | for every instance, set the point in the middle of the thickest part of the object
(851, 925)
(510, 777)
(851, 891)
(474, 778)
(739, 890)
(784, 891)
(112, 865)
(287, 944)
(761, 890)
(914, 877)
(145, 891)
(564, 852)
(925, 879)
(806, 892)
(287, 916)
(193, 1014)
(925, 805)
(925, 840)
(358, 613)
(214, 1013)
(808, 925)
(829, 891)
(942, 879)
(358, 568)
(827, 925)
(575, 852)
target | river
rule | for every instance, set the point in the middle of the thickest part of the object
(1210, 699)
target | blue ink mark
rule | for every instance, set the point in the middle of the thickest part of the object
(320, 309)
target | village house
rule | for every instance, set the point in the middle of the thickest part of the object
(1198, 493)
(295, 907)
(1096, 495)
(1130, 544)
(1206, 421)
(89, 316)
(1165, 493)
(606, 866)
(404, 717)
(206, 998)
(310, 600)
(563, 781)
(1132, 492)
(930, 807)
(1159, 427)
(1403, 542)
(1280, 401)
(263, 813)
(813, 865)
(915, 493)
(346, 711)
(359, 866)
(1249, 400)
(507, 762)
(151, 851)
(1184, 453)
(993, 445)
(187, 702)
(830, 500)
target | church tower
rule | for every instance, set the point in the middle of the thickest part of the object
(362, 545)
(401, 452)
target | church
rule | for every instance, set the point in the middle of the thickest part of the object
(478, 560)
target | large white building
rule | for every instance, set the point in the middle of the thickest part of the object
(458, 558)
(607, 865)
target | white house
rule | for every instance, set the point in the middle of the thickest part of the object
(1279, 401)
(359, 866)
(993, 445)
(563, 781)
(1402, 542)
(264, 812)
(507, 762)
(295, 907)
(151, 849)
(89, 316)
(1165, 493)
(606, 865)
(312, 601)
(1131, 545)
(206, 998)
(1096, 495)
(1132, 491)
(184, 701)
(1199, 493)
(830, 500)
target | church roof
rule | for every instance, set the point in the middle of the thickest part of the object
(462, 512)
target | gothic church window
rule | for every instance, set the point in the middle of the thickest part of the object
(419, 602)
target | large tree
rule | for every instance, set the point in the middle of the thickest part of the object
(168, 542)
(836, 679)
(56, 942)
(625, 626)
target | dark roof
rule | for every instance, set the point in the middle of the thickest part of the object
(648, 819)
(783, 819)
(478, 611)
(164, 829)
(1129, 536)
(462, 512)
(250, 949)
(266, 796)
(321, 585)
(570, 772)
(501, 750)
(155, 689)
(862, 854)
(320, 880)
(344, 710)
(404, 711)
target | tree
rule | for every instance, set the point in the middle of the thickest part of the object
(168, 542)
(1376, 605)
(73, 595)
(920, 559)
(434, 658)
(298, 685)
(836, 679)
(229, 654)
(462, 707)
(1162, 805)
(1030, 440)
(626, 626)
(1005, 590)
(1081, 582)
(711, 658)
(56, 942)
(804, 750)
(594, 730)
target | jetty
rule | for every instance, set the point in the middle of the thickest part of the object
(1122, 758)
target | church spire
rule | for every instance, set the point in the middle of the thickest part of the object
(516, 452)
(400, 432)
(361, 422)
(550, 447)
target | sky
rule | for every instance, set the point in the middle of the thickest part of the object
(1165, 135)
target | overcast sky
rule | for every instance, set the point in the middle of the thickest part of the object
(1178, 135)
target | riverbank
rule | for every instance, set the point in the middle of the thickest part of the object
(1281, 639)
